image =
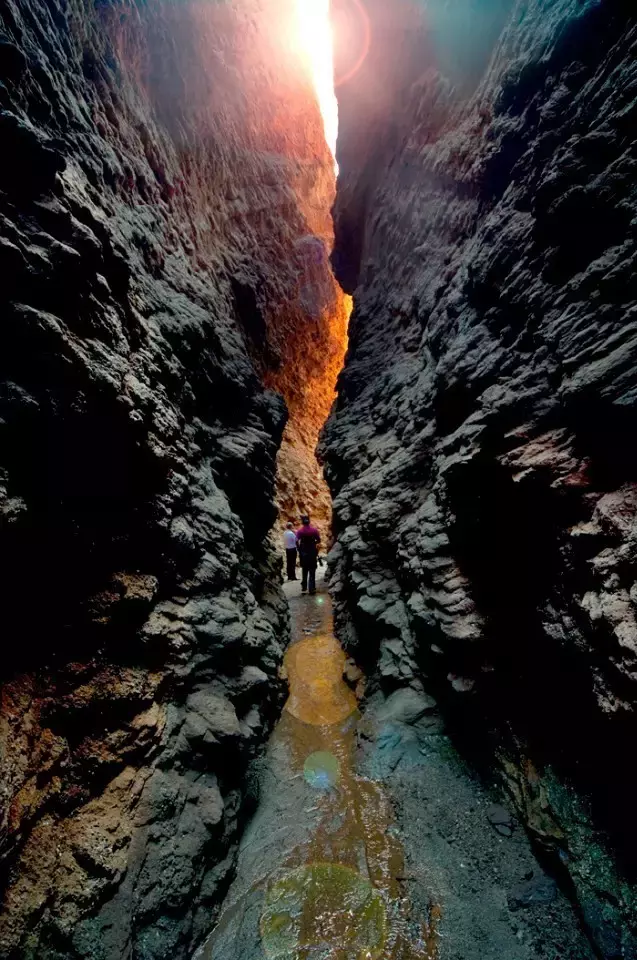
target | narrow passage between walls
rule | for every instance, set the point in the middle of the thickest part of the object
(371, 839)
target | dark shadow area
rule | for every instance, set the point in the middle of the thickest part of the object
(536, 693)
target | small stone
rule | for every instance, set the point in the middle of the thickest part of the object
(501, 820)
(352, 673)
(539, 891)
(406, 706)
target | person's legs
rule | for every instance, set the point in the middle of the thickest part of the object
(312, 572)
(291, 561)
(304, 576)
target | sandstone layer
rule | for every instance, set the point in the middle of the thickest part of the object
(481, 453)
(164, 234)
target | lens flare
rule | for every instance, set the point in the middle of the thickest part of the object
(321, 770)
(317, 45)
(355, 34)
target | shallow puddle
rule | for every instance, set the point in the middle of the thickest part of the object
(320, 868)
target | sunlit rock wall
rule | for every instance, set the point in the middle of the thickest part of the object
(301, 486)
(164, 226)
(482, 452)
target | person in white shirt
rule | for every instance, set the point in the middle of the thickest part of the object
(289, 542)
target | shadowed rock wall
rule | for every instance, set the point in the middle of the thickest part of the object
(163, 171)
(482, 453)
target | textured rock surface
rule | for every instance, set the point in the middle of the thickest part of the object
(482, 449)
(164, 222)
(301, 487)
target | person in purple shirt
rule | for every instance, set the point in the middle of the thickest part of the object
(308, 539)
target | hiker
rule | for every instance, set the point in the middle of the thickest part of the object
(308, 539)
(289, 542)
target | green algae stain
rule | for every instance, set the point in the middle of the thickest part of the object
(323, 910)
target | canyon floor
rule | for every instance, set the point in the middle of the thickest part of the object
(373, 839)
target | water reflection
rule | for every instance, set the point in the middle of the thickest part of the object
(340, 896)
(321, 867)
(318, 695)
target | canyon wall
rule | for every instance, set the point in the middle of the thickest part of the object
(300, 485)
(482, 450)
(164, 235)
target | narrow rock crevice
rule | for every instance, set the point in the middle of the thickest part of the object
(178, 269)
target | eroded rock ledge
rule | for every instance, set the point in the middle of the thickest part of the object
(482, 452)
(163, 170)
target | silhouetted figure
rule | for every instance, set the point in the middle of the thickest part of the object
(308, 539)
(289, 542)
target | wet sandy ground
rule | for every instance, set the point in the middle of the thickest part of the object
(372, 841)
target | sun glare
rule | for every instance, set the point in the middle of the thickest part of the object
(317, 43)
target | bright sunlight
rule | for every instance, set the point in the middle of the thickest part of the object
(317, 42)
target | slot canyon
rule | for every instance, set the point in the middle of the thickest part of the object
(218, 315)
